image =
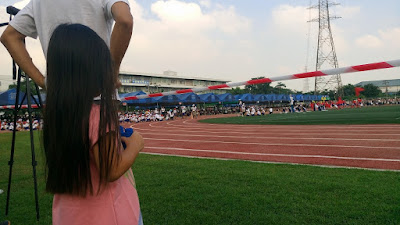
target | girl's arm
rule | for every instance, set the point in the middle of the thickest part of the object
(122, 160)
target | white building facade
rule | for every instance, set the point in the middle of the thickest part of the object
(386, 86)
(168, 81)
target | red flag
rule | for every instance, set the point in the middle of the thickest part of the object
(358, 90)
(339, 101)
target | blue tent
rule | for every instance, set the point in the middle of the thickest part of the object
(132, 94)
(282, 97)
(8, 97)
(299, 97)
(189, 98)
(271, 97)
(140, 101)
(307, 98)
(314, 97)
(170, 99)
(260, 98)
(245, 97)
(227, 97)
(42, 96)
(209, 98)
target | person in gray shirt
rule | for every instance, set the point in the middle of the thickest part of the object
(41, 17)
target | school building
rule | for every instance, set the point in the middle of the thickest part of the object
(168, 81)
(390, 87)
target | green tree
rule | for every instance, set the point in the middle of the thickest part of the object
(330, 93)
(280, 88)
(348, 91)
(280, 85)
(23, 87)
(264, 88)
(237, 91)
(371, 91)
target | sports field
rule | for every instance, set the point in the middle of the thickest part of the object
(181, 190)
(365, 115)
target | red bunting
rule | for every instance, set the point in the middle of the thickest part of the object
(358, 90)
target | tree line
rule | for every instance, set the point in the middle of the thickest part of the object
(370, 90)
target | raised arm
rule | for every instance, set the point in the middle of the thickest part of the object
(121, 34)
(14, 42)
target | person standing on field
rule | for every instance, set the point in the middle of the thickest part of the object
(40, 17)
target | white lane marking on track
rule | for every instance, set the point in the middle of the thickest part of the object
(278, 155)
(271, 144)
(358, 126)
(274, 132)
(282, 128)
(195, 124)
(283, 138)
(266, 162)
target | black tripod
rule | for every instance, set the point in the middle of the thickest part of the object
(18, 105)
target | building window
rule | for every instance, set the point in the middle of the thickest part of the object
(189, 83)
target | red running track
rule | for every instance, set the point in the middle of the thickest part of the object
(358, 146)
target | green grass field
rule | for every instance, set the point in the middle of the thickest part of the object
(177, 190)
(366, 115)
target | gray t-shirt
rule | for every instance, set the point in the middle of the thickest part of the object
(41, 17)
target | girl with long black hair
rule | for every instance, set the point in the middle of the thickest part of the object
(87, 169)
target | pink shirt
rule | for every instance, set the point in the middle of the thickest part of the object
(117, 204)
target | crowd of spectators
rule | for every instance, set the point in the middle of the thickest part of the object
(7, 122)
(193, 111)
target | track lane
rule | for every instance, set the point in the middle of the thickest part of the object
(358, 146)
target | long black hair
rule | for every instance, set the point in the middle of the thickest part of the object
(79, 68)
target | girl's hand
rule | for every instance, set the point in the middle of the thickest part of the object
(134, 142)
(123, 160)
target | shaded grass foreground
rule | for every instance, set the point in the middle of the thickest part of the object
(366, 115)
(175, 190)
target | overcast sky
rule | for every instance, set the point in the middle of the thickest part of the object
(239, 39)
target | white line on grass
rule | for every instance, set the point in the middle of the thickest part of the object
(267, 162)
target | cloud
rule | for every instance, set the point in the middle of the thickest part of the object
(176, 11)
(369, 41)
(206, 39)
(291, 18)
(391, 37)
(181, 36)
(229, 21)
(347, 12)
(189, 17)
(205, 3)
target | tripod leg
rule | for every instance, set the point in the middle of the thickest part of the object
(39, 96)
(11, 162)
(34, 162)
